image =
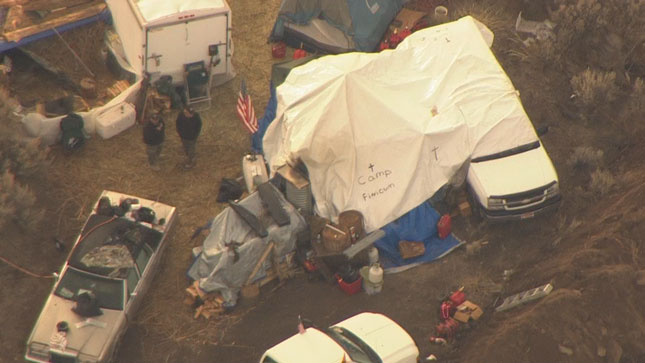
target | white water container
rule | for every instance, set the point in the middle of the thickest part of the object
(376, 274)
(372, 255)
(370, 287)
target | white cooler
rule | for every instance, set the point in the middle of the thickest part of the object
(115, 120)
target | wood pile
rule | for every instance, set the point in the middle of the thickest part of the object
(117, 88)
(206, 304)
(28, 17)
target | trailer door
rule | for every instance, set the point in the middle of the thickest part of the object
(165, 51)
(205, 32)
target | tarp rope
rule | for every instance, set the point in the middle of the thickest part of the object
(25, 270)
(21, 269)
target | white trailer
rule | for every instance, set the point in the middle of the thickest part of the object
(160, 37)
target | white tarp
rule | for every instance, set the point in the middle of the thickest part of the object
(382, 132)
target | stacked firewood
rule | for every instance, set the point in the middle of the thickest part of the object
(117, 88)
(205, 304)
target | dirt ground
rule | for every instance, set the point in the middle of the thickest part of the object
(591, 249)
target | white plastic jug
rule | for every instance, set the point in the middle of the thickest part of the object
(372, 255)
(376, 274)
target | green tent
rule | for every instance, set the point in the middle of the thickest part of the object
(280, 70)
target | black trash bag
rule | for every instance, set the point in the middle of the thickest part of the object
(104, 207)
(127, 202)
(229, 189)
(145, 214)
(73, 136)
(87, 305)
(165, 87)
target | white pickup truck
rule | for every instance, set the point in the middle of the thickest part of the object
(366, 337)
(517, 183)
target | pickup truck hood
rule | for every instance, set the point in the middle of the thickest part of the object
(388, 339)
(514, 174)
(88, 337)
(311, 346)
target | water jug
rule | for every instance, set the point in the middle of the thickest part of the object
(372, 255)
(376, 274)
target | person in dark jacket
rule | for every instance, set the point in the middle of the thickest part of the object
(189, 125)
(153, 136)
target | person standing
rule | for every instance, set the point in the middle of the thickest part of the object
(153, 136)
(189, 125)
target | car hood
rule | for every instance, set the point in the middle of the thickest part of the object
(387, 338)
(82, 337)
(311, 346)
(514, 174)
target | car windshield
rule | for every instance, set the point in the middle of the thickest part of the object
(111, 247)
(506, 153)
(358, 350)
(108, 292)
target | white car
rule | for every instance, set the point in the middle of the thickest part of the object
(366, 337)
(103, 281)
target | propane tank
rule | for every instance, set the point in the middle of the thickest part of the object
(376, 273)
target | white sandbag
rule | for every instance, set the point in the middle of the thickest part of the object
(48, 129)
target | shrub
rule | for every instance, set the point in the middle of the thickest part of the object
(595, 92)
(634, 107)
(17, 203)
(489, 13)
(585, 156)
(20, 158)
(602, 182)
(592, 33)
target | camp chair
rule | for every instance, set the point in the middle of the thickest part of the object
(197, 83)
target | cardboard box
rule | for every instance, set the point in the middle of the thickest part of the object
(410, 249)
(466, 311)
(406, 18)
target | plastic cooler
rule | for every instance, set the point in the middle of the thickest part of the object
(115, 120)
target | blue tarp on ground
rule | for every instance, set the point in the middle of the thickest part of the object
(419, 224)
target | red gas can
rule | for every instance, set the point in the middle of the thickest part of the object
(279, 50)
(443, 226)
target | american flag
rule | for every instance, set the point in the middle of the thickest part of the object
(245, 110)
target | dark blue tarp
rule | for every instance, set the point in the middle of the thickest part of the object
(419, 224)
(263, 123)
(364, 21)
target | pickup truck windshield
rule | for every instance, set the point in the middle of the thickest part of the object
(357, 349)
(506, 153)
(109, 292)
